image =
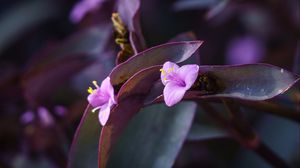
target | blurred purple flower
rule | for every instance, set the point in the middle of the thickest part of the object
(45, 116)
(177, 81)
(102, 98)
(27, 117)
(244, 50)
(82, 8)
(60, 110)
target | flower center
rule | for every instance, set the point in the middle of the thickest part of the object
(166, 73)
(169, 75)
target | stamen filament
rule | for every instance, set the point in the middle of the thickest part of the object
(95, 84)
(95, 109)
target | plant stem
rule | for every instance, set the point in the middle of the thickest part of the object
(243, 133)
(274, 109)
(267, 154)
(265, 106)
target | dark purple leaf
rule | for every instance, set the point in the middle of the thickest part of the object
(201, 132)
(83, 151)
(297, 60)
(180, 5)
(250, 82)
(154, 137)
(217, 9)
(119, 118)
(175, 52)
(136, 84)
(130, 100)
(39, 84)
(185, 36)
(61, 62)
(130, 13)
(89, 41)
(188, 36)
(269, 127)
(13, 24)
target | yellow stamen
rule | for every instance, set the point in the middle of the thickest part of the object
(162, 71)
(95, 84)
(166, 72)
(90, 90)
(170, 70)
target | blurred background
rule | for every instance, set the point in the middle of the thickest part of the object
(48, 60)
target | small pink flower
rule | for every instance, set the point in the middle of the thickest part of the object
(102, 98)
(177, 81)
(82, 8)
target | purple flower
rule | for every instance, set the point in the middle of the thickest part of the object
(83, 7)
(45, 116)
(245, 50)
(102, 98)
(177, 81)
(27, 117)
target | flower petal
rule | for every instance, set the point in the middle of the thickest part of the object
(173, 93)
(189, 74)
(97, 98)
(108, 89)
(166, 67)
(104, 113)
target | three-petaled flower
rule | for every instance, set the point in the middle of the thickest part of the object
(177, 81)
(102, 98)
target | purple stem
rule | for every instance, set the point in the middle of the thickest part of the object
(265, 106)
(243, 133)
(273, 108)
